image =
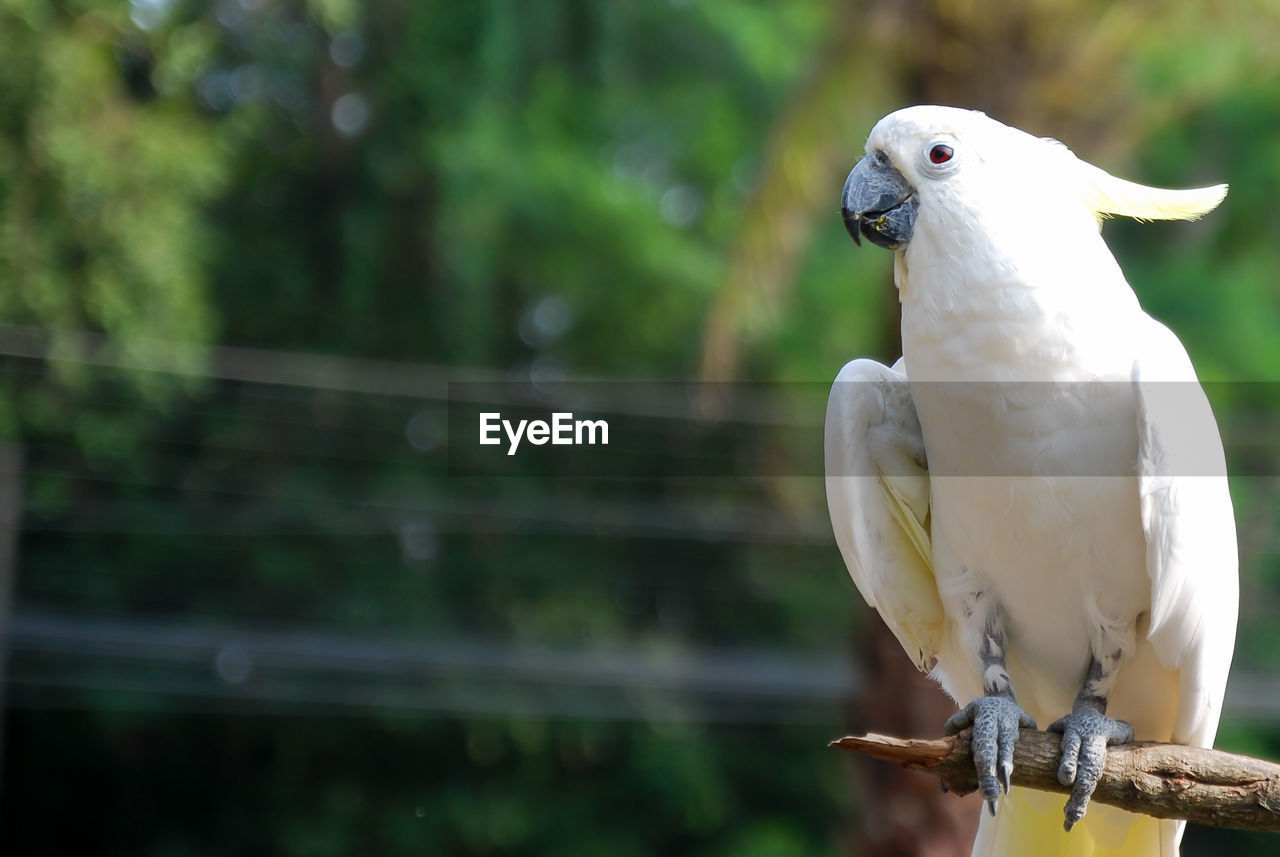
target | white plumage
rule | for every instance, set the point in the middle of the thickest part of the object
(1052, 460)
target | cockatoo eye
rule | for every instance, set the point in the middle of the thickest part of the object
(940, 154)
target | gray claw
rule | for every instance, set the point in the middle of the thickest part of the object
(1086, 734)
(995, 721)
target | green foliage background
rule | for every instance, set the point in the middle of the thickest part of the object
(192, 194)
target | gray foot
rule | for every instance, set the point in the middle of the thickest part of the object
(1085, 737)
(995, 721)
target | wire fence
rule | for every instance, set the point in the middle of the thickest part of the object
(63, 658)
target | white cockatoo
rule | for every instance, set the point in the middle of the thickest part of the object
(1034, 497)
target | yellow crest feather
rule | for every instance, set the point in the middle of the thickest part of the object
(1107, 195)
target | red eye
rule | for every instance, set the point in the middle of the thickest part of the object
(940, 154)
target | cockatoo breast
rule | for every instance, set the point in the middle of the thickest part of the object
(1019, 365)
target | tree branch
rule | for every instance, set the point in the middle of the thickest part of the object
(1207, 787)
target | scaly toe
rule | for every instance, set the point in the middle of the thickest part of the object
(1085, 738)
(995, 721)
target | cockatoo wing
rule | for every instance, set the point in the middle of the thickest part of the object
(878, 496)
(1190, 530)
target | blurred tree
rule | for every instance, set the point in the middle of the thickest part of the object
(545, 188)
(108, 166)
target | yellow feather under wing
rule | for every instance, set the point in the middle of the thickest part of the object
(912, 520)
(1107, 195)
(911, 606)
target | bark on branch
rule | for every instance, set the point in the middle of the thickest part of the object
(1207, 787)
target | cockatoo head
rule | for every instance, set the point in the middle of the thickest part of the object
(943, 167)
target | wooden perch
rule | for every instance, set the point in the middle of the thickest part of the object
(1162, 780)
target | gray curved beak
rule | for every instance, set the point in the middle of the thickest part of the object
(878, 203)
